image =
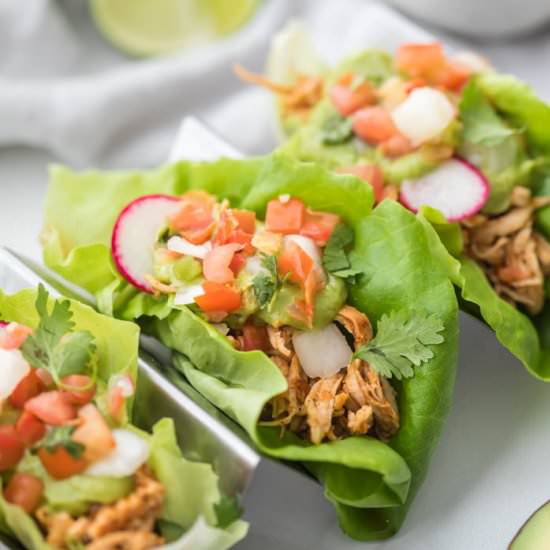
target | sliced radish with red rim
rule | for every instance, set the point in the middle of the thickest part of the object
(135, 233)
(456, 188)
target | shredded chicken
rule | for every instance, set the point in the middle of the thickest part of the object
(126, 524)
(297, 99)
(513, 255)
(354, 401)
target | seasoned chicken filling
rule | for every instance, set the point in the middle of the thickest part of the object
(127, 524)
(354, 401)
(513, 255)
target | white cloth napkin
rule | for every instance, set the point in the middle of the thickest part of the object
(63, 88)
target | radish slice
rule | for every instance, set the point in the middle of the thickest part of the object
(457, 189)
(129, 454)
(13, 368)
(183, 246)
(424, 115)
(322, 353)
(187, 295)
(135, 233)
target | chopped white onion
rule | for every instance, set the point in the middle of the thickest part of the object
(183, 246)
(124, 382)
(322, 353)
(130, 453)
(187, 294)
(424, 115)
(284, 198)
(13, 368)
(307, 245)
(253, 266)
(473, 61)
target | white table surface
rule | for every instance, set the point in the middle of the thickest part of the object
(490, 470)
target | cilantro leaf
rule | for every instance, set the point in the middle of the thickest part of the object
(61, 437)
(482, 125)
(401, 342)
(52, 346)
(336, 129)
(266, 284)
(227, 511)
(335, 257)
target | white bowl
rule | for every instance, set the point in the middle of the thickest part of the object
(480, 18)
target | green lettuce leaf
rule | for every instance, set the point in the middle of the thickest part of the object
(371, 483)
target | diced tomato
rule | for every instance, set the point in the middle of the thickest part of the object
(52, 407)
(295, 262)
(284, 217)
(414, 83)
(94, 434)
(28, 387)
(29, 429)
(347, 99)
(311, 285)
(25, 491)
(60, 464)
(218, 298)
(246, 220)
(194, 218)
(254, 338)
(420, 60)
(45, 377)
(374, 124)
(319, 226)
(237, 263)
(13, 335)
(245, 239)
(216, 263)
(227, 223)
(79, 388)
(11, 447)
(391, 192)
(121, 387)
(453, 75)
(371, 173)
(396, 146)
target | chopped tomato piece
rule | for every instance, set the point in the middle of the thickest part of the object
(246, 220)
(52, 407)
(216, 263)
(227, 224)
(311, 285)
(396, 146)
(11, 447)
(240, 237)
(237, 263)
(115, 403)
(295, 262)
(194, 218)
(372, 174)
(420, 60)
(94, 434)
(28, 387)
(413, 84)
(45, 376)
(29, 428)
(218, 298)
(374, 124)
(453, 75)
(25, 491)
(60, 464)
(13, 335)
(391, 192)
(284, 217)
(347, 99)
(79, 388)
(319, 225)
(254, 338)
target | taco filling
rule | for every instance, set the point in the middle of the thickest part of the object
(66, 457)
(279, 286)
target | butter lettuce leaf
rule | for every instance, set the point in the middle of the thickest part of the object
(371, 483)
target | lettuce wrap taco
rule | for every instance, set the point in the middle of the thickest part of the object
(74, 472)
(449, 138)
(325, 328)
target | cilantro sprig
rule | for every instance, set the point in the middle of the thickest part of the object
(227, 511)
(267, 282)
(54, 346)
(401, 342)
(336, 130)
(61, 437)
(335, 257)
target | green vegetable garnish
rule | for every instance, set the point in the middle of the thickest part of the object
(266, 284)
(336, 129)
(401, 342)
(227, 511)
(61, 437)
(52, 346)
(335, 257)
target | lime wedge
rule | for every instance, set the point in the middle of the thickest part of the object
(155, 27)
